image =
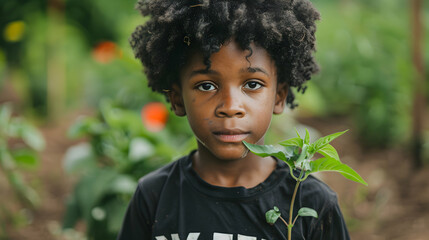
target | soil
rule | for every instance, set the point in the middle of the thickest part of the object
(395, 205)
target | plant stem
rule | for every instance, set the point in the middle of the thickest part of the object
(289, 229)
(283, 221)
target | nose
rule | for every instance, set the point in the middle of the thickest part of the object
(230, 105)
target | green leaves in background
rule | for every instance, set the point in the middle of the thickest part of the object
(118, 151)
(79, 158)
(14, 156)
(367, 72)
(100, 198)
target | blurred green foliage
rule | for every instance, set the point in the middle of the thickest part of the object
(20, 142)
(119, 151)
(59, 42)
(364, 49)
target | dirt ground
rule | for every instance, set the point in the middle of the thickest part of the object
(395, 205)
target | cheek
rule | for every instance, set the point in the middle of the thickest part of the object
(263, 113)
(263, 104)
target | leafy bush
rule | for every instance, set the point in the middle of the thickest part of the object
(363, 50)
(13, 156)
(19, 143)
(119, 151)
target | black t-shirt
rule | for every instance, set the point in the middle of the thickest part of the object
(174, 203)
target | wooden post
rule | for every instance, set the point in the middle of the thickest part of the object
(419, 86)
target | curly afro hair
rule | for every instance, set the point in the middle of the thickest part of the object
(176, 29)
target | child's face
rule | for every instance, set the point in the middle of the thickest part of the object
(232, 101)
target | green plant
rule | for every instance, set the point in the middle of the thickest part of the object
(367, 72)
(19, 143)
(297, 153)
(118, 152)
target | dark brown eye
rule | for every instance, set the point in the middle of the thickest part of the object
(206, 87)
(253, 85)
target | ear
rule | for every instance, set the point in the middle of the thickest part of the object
(280, 101)
(176, 100)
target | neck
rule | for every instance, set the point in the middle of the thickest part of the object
(247, 171)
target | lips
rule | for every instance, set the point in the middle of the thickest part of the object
(231, 135)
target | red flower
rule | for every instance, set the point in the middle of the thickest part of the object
(104, 52)
(154, 116)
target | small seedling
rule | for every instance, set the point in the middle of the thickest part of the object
(297, 153)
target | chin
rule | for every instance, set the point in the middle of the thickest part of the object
(230, 154)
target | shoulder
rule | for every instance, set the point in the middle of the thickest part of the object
(154, 181)
(313, 186)
(151, 186)
(318, 195)
(330, 224)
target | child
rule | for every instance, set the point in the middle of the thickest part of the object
(227, 65)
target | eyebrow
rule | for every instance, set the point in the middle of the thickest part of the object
(204, 72)
(213, 72)
(254, 70)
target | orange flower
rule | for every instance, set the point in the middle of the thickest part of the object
(154, 116)
(104, 52)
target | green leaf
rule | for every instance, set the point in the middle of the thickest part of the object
(292, 142)
(26, 194)
(123, 184)
(331, 164)
(310, 151)
(32, 137)
(307, 137)
(329, 151)
(116, 209)
(79, 158)
(72, 214)
(323, 141)
(25, 157)
(297, 133)
(14, 128)
(6, 161)
(140, 148)
(120, 118)
(92, 188)
(269, 150)
(303, 157)
(272, 215)
(5, 114)
(85, 126)
(307, 212)
(285, 153)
